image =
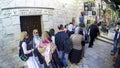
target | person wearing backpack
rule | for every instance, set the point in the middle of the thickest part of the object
(26, 49)
(63, 44)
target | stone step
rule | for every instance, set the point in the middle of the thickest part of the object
(105, 39)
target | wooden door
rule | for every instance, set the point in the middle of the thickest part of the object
(28, 23)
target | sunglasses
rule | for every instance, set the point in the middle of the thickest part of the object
(36, 32)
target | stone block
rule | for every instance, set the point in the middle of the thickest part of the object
(45, 18)
(29, 3)
(1, 29)
(37, 3)
(9, 30)
(0, 20)
(9, 3)
(13, 29)
(7, 22)
(45, 4)
(15, 20)
(20, 3)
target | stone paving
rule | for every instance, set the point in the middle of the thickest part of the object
(96, 57)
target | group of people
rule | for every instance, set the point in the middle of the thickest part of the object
(115, 52)
(39, 50)
(54, 50)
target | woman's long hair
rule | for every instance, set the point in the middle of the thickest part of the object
(45, 36)
(60, 27)
(23, 35)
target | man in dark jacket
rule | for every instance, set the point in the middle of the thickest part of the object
(94, 31)
(63, 44)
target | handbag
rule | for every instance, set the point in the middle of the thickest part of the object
(53, 47)
(83, 43)
(41, 49)
(23, 57)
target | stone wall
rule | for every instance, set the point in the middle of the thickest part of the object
(63, 13)
(9, 37)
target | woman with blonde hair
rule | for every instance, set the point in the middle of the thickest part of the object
(46, 43)
(27, 49)
(49, 48)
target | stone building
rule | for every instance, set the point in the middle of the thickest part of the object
(20, 15)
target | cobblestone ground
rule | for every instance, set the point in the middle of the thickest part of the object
(96, 57)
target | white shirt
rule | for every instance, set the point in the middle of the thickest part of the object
(37, 41)
(77, 30)
(118, 31)
(53, 39)
(24, 46)
(70, 27)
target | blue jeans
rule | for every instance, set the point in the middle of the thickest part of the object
(63, 58)
(115, 46)
(86, 38)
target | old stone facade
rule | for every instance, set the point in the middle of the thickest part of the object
(52, 13)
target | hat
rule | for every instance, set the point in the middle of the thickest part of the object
(118, 22)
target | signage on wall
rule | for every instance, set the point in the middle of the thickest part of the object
(89, 13)
(29, 11)
(93, 13)
(86, 13)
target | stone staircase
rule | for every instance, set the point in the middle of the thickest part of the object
(105, 39)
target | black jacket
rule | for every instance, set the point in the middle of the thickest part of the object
(94, 30)
(63, 42)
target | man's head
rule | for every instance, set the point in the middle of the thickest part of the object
(95, 22)
(60, 27)
(118, 22)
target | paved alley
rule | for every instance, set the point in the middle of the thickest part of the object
(96, 57)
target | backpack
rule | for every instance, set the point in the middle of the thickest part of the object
(67, 44)
(22, 56)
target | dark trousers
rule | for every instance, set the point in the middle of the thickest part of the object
(56, 60)
(40, 57)
(117, 63)
(92, 38)
(70, 33)
(83, 48)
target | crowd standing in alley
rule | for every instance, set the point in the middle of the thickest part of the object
(56, 50)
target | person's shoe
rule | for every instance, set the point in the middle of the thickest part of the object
(76, 63)
(112, 51)
(113, 65)
(90, 46)
(42, 65)
(112, 54)
(114, 59)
